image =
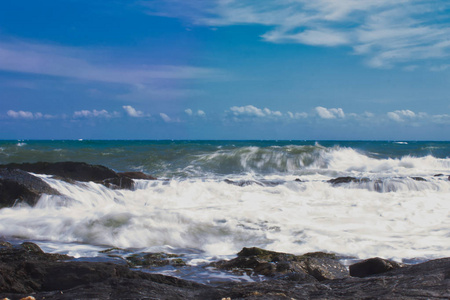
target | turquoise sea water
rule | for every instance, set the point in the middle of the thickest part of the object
(198, 158)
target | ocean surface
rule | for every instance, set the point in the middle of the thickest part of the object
(212, 198)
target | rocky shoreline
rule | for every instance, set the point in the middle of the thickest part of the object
(25, 270)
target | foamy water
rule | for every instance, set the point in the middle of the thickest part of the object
(193, 209)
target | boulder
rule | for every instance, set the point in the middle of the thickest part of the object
(372, 266)
(18, 186)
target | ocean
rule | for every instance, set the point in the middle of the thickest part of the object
(212, 198)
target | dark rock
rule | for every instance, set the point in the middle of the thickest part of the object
(79, 171)
(372, 266)
(321, 266)
(418, 178)
(438, 175)
(340, 180)
(298, 180)
(252, 182)
(430, 280)
(26, 269)
(136, 175)
(155, 260)
(19, 186)
(243, 182)
(120, 182)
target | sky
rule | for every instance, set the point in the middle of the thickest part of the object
(225, 69)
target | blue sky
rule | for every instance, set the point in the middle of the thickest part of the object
(225, 69)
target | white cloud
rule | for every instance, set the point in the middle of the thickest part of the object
(387, 32)
(329, 113)
(199, 113)
(132, 112)
(20, 114)
(297, 115)
(253, 111)
(248, 110)
(94, 114)
(28, 115)
(401, 115)
(74, 63)
(165, 117)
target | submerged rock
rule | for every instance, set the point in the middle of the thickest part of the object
(340, 180)
(18, 186)
(418, 178)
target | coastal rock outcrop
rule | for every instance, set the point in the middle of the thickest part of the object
(18, 186)
(78, 171)
(319, 265)
(26, 270)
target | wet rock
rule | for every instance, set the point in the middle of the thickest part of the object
(79, 171)
(243, 182)
(136, 175)
(438, 175)
(120, 182)
(418, 178)
(372, 266)
(340, 180)
(155, 260)
(428, 280)
(254, 182)
(298, 180)
(26, 269)
(19, 186)
(320, 265)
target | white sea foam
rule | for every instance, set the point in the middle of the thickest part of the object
(390, 213)
(405, 219)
